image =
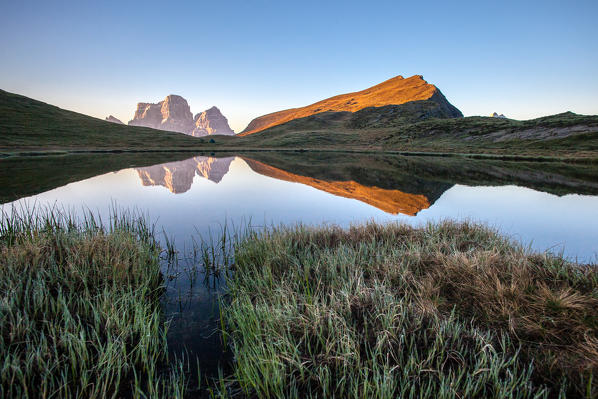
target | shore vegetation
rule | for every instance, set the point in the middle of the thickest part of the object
(80, 313)
(449, 310)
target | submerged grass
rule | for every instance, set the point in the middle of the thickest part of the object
(443, 311)
(80, 313)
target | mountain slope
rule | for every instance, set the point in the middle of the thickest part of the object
(28, 124)
(395, 91)
(391, 128)
(114, 119)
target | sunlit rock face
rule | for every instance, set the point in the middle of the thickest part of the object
(172, 114)
(177, 177)
(211, 121)
(113, 120)
(148, 115)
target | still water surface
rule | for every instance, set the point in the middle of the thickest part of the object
(546, 206)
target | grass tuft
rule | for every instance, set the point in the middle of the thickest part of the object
(80, 313)
(443, 311)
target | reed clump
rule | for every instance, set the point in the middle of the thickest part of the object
(80, 312)
(450, 310)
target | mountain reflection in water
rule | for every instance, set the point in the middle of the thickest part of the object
(395, 185)
(549, 203)
(390, 201)
(178, 176)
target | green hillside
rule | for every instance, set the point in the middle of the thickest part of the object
(27, 124)
(388, 129)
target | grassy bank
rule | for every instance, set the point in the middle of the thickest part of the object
(80, 314)
(565, 136)
(444, 311)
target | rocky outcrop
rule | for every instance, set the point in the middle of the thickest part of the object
(113, 120)
(173, 114)
(211, 121)
(495, 115)
(395, 91)
(148, 115)
(177, 177)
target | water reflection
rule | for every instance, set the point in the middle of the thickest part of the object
(315, 188)
(177, 177)
(388, 200)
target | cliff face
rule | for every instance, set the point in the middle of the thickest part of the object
(211, 121)
(395, 91)
(176, 114)
(148, 115)
(177, 177)
(172, 114)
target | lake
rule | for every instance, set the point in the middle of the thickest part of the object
(546, 206)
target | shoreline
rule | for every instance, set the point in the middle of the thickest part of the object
(240, 150)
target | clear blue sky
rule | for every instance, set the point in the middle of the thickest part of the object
(523, 59)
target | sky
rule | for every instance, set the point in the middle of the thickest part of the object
(249, 58)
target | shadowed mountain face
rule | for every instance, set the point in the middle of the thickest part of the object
(395, 91)
(178, 176)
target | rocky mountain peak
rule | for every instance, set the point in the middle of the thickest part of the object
(174, 114)
(211, 121)
(395, 91)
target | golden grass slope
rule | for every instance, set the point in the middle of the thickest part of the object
(395, 91)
